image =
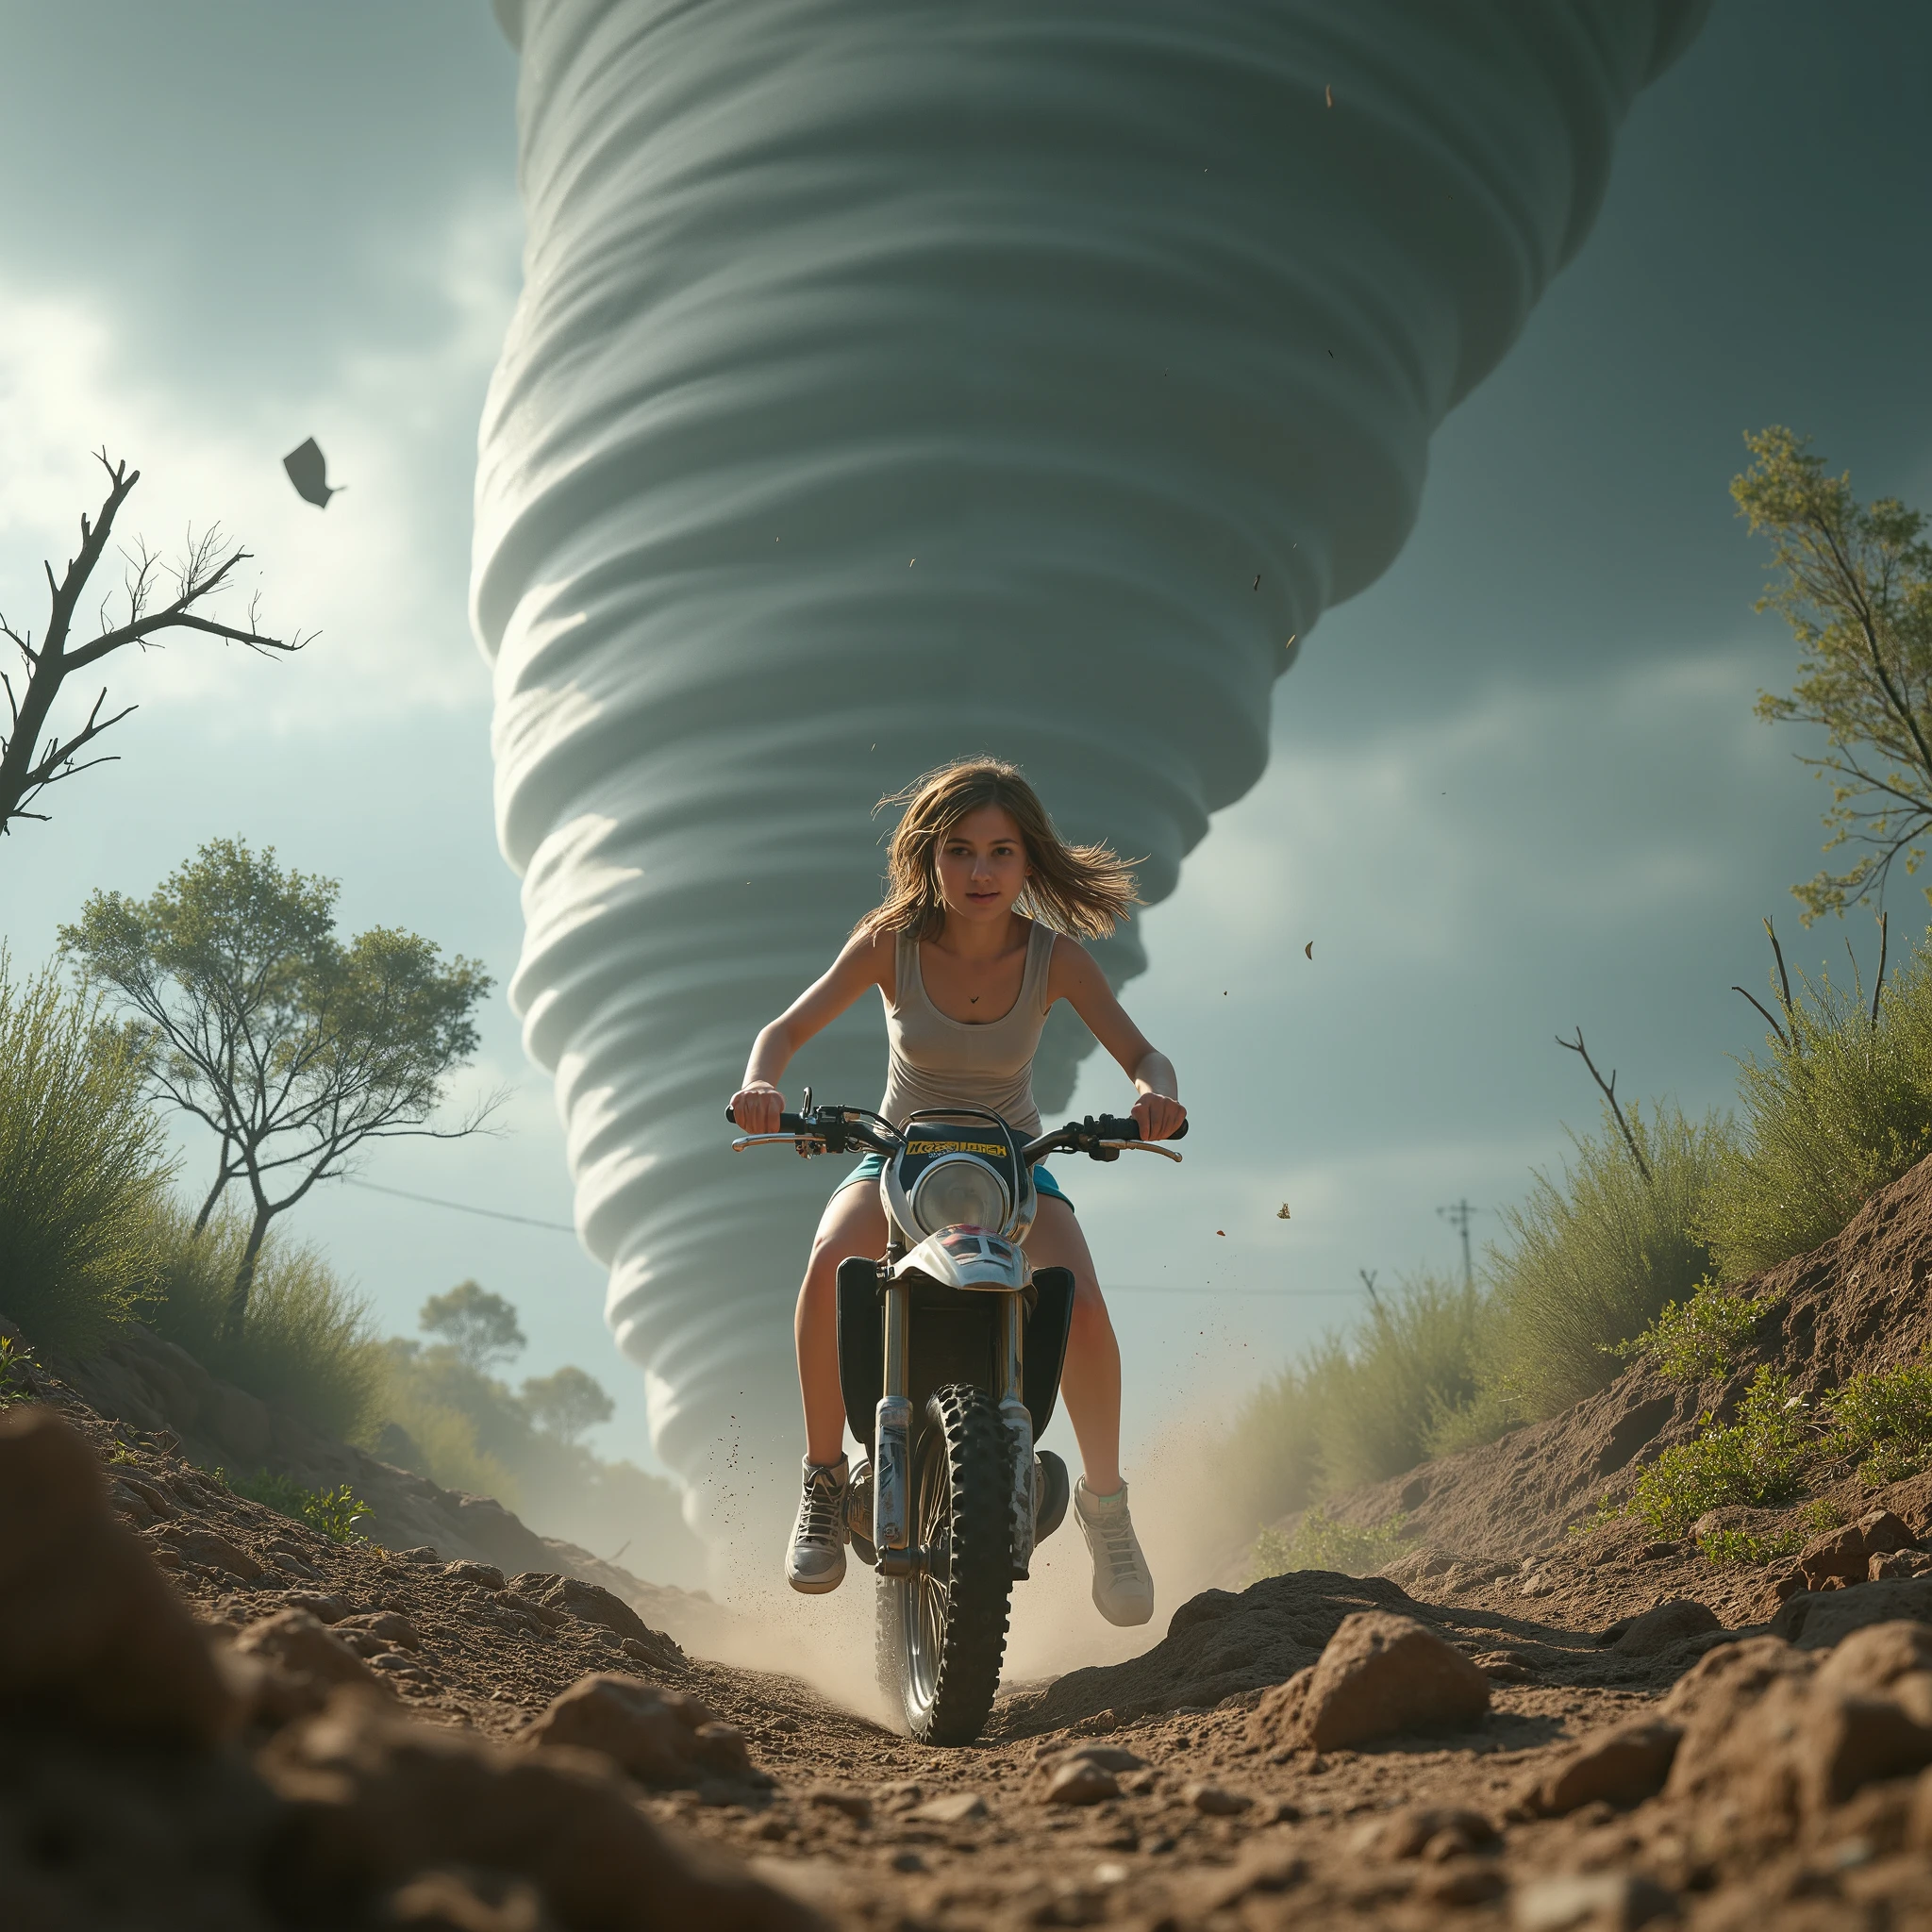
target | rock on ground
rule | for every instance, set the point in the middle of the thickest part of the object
(1379, 1675)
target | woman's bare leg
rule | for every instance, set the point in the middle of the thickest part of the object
(1123, 1584)
(853, 1224)
(1091, 1379)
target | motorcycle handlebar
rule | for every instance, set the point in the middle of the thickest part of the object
(788, 1123)
(1088, 1136)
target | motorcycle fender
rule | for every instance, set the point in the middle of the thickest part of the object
(969, 1257)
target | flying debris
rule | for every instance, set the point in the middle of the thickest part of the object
(308, 471)
(1308, 949)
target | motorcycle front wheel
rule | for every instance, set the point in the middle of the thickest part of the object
(942, 1630)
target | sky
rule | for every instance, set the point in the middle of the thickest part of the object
(1516, 787)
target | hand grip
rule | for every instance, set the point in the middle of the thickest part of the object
(788, 1123)
(1129, 1129)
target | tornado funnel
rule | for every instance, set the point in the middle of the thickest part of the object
(895, 381)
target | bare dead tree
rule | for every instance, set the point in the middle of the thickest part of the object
(1608, 1089)
(159, 597)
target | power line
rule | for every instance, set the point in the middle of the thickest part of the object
(1207, 1294)
(464, 1207)
(1212, 1294)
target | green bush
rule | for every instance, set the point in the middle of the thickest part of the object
(1835, 1110)
(334, 1512)
(1589, 1261)
(1698, 1339)
(16, 1385)
(82, 1166)
(1743, 1546)
(1357, 1408)
(305, 1343)
(1884, 1419)
(1320, 1543)
(1759, 1460)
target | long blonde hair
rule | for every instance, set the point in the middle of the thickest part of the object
(1082, 889)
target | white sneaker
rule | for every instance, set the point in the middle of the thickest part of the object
(816, 1562)
(1123, 1584)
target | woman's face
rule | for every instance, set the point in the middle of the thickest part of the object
(982, 865)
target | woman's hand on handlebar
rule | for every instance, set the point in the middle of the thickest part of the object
(757, 1107)
(1160, 1118)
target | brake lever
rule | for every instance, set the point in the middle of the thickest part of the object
(1146, 1147)
(805, 1145)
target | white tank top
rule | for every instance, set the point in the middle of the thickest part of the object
(938, 1061)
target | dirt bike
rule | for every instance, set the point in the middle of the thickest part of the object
(950, 1350)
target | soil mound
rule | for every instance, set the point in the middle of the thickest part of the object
(1220, 1645)
(158, 1389)
(1856, 1305)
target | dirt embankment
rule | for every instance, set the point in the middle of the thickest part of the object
(214, 1717)
(1861, 1301)
(149, 1384)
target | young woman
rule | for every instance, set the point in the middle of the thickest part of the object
(972, 944)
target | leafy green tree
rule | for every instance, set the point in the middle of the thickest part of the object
(292, 1045)
(1857, 591)
(480, 1326)
(568, 1403)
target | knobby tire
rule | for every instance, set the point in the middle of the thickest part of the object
(960, 1470)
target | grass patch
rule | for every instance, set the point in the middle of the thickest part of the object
(1320, 1543)
(1836, 1108)
(334, 1512)
(1591, 1259)
(1885, 1419)
(15, 1383)
(1357, 1407)
(305, 1342)
(83, 1166)
(1759, 1460)
(1698, 1339)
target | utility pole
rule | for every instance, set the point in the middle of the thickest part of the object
(1367, 1275)
(1458, 1217)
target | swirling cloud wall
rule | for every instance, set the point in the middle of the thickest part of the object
(892, 381)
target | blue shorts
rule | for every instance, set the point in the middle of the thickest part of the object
(874, 1165)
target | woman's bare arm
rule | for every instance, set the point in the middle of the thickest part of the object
(863, 960)
(1074, 977)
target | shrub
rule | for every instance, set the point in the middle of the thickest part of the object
(1320, 1543)
(1407, 1368)
(1758, 1459)
(305, 1343)
(1885, 1420)
(1590, 1261)
(1836, 1108)
(16, 1384)
(334, 1512)
(1743, 1546)
(448, 1450)
(1698, 1339)
(1271, 1458)
(82, 1166)
(1357, 1408)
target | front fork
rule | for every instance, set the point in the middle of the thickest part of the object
(1018, 1420)
(893, 1435)
(891, 1483)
